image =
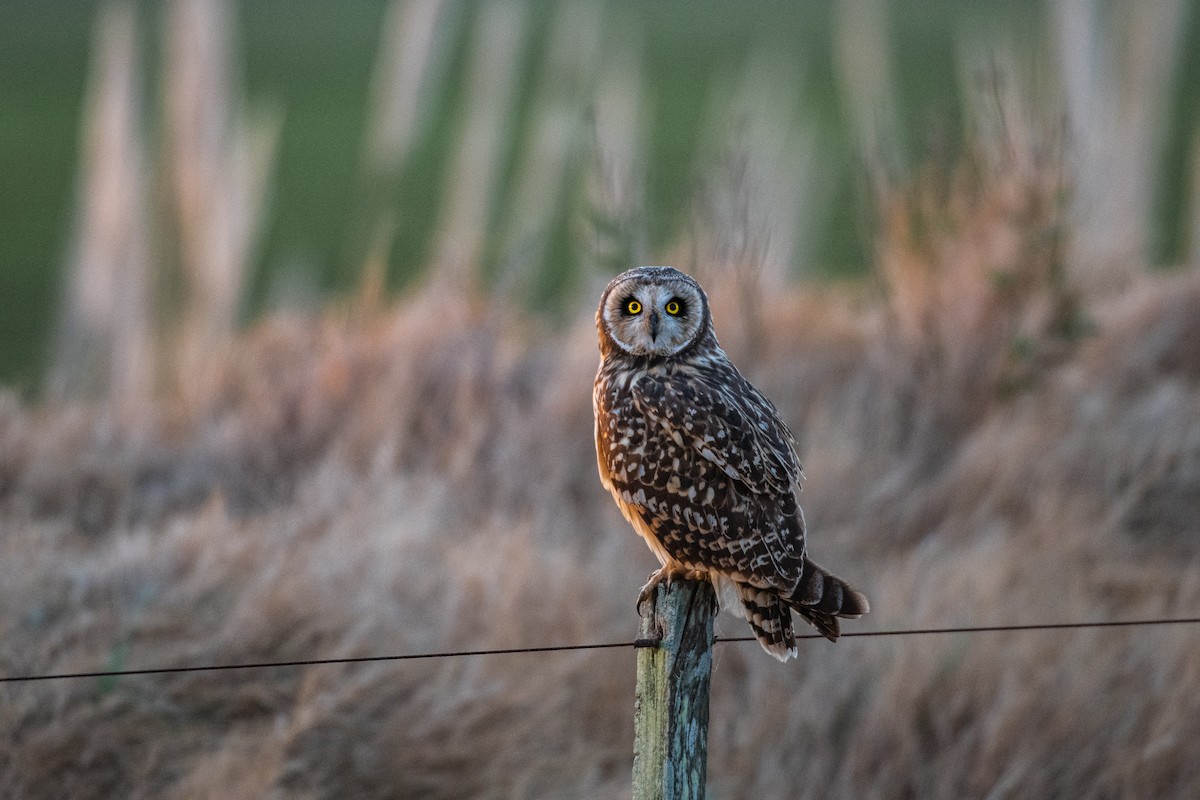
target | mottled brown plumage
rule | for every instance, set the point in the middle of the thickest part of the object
(700, 463)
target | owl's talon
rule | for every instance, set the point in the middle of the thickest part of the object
(646, 603)
(646, 597)
(667, 575)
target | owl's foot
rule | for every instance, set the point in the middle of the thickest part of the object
(646, 597)
(668, 573)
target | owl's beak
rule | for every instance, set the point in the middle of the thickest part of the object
(654, 326)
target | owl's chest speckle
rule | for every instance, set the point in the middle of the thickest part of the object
(621, 428)
(635, 452)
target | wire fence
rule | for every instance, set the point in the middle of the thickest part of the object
(978, 629)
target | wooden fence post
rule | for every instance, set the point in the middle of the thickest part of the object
(674, 667)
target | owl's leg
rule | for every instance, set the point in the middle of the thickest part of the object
(668, 572)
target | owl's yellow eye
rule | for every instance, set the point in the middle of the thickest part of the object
(673, 307)
(633, 306)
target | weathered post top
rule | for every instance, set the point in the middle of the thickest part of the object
(674, 668)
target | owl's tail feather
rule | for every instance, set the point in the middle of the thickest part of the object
(770, 620)
(822, 597)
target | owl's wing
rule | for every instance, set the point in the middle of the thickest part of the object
(728, 422)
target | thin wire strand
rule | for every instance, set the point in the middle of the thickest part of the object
(1045, 626)
(597, 646)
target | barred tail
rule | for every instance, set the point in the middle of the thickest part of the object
(822, 597)
(769, 618)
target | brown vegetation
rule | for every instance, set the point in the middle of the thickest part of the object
(422, 478)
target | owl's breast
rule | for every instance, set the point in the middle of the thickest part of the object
(621, 435)
(643, 463)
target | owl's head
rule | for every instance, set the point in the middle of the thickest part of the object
(652, 311)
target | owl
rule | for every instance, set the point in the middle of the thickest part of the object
(700, 463)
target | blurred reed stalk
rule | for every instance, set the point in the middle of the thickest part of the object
(553, 154)
(407, 73)
(156, 288)
(1194, 226)
(763, 154)
(1116, 62)
(752, 224)
(218, 159)
(104, 347)
(864, 69)
(497, 39)
(615, 179)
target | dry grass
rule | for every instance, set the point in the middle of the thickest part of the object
(422, 477)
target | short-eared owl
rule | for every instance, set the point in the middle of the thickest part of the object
(700, 463)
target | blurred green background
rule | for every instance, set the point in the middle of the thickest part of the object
(316, 65)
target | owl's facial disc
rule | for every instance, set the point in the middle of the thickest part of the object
(653, 316)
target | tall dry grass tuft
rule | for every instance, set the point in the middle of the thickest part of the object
(972, 262)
